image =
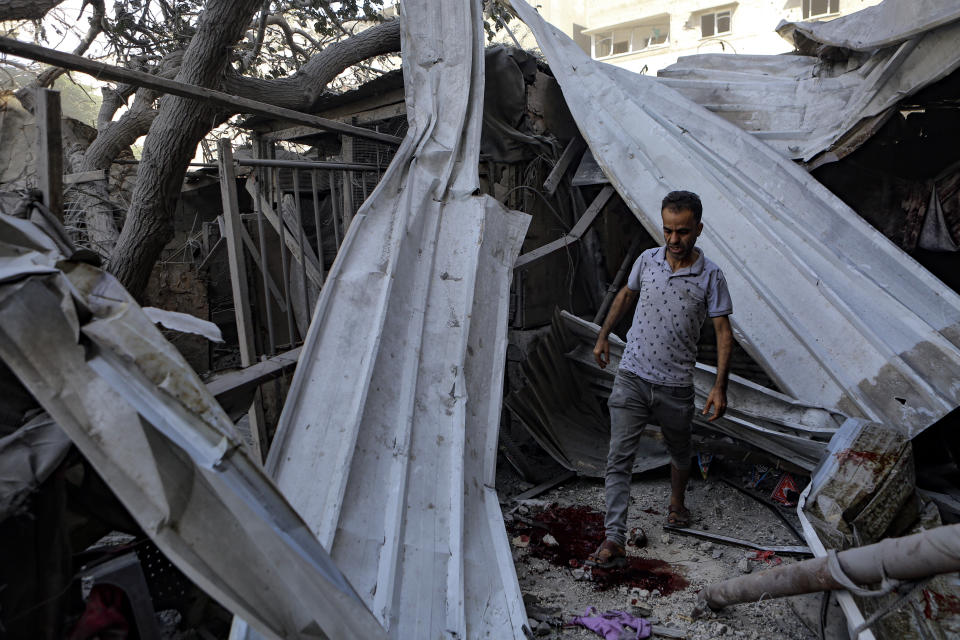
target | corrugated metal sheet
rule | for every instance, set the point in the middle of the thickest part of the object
(561, 406)
(818, 110)
(144, 420)
(882, 25)
(833, 311)
(387, 442)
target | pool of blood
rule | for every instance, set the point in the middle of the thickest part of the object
(578, 532)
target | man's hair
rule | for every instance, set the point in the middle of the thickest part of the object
(683, 201)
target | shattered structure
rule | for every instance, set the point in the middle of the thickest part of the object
(375, 512)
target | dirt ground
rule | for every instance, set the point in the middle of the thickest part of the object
(667, 574)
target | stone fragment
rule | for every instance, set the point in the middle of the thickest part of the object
(550, 541)
(744, 565)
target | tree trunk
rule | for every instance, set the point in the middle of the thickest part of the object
(172, 140)
(182, 124)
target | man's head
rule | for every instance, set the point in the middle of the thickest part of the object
(681, 212)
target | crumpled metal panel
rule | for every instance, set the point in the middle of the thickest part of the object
(144, 420)
(28, 456)
(787, 428)
(387, 442)
(818, 110)
(560, 405)
(888, 23)
(834, 312)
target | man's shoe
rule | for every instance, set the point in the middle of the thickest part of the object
(609, 555)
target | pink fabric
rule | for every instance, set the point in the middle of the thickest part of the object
(614, 625)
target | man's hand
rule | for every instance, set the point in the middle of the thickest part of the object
(717, 399)
(601, 351)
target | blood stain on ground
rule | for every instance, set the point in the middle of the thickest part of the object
(578, 532)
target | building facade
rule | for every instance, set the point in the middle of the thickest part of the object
(647, 35)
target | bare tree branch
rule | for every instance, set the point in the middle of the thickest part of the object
(258, 42)
(48, 77)
(26, 9)
(305, 87)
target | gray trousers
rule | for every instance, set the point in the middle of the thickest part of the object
(634, 403)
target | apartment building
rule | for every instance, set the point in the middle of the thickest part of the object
(648, 35)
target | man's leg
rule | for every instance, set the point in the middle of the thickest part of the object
(629, 414)
(673, 410)
(678, 487)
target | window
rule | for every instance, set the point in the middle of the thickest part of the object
(629, 39)
(815, 8)
(712, 24)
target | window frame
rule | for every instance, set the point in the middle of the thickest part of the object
(609, 34)
(716, 19)
(806, 9)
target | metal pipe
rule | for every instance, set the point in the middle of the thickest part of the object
(335, 209)
(912, 557)
(617, 281)
(301, 242)
(305, 164)
(316, 219)
(284, 259)
(258, 207)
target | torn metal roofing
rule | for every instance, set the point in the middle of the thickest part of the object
(775, 423)
(882, 25)
(832, 310)
(819, 110)
(145, 421)
(387, 442)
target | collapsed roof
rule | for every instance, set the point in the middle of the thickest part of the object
(819, 107)
(834, 312)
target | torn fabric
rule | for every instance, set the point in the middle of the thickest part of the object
(834, 312)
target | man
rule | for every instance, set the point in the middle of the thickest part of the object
(677, 287)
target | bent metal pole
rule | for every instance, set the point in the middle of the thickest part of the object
(911, 557)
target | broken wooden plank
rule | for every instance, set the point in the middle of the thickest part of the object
(241, 293)
(234, 390)
(578, 229)
(545, 486)
(573, 151)
(85, 176)
(312, 264)
(102, 71)
(50, 149)
(252, 249)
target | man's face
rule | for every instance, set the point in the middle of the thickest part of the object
(680, 232)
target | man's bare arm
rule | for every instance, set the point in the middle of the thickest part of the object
(625, 298)
(718, 395)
